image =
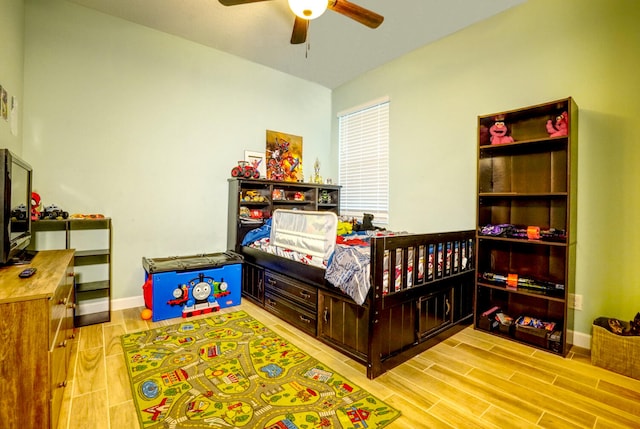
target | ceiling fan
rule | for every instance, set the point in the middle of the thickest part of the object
(306, 10)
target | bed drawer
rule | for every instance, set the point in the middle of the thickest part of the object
(302, 294)
(289, 311)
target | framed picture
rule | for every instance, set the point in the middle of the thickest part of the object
(256, 159)
(284, 157)
(4, 106)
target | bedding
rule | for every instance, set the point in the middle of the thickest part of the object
(264, 244)
(348, 267)
(349, 270)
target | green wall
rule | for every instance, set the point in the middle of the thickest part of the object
(540, 51)
(145, 127)
(11, 68)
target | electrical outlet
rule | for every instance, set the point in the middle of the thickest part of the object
(575, 301)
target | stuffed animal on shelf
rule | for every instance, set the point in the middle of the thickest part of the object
(499, 132)
(560, 127)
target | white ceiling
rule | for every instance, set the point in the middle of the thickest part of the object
(338, 48)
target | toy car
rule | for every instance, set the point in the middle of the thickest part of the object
(53, 212)
(246, 170)
(254, 196)
(20, 212)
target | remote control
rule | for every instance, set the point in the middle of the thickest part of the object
(28, 272)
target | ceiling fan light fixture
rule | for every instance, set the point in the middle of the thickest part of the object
(308, 9)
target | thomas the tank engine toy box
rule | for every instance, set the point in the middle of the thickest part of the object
(184, 286)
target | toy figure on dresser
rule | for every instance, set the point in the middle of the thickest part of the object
(52, 211)
(36, 206)
(560, 127)
(499, 131)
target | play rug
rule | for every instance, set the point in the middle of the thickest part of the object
(230, 371)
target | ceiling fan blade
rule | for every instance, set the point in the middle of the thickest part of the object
(299, 34)
(236, 2)
(357, 13)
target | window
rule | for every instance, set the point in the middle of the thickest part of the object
(363, 138)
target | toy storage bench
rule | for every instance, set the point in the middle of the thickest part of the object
(183, 286)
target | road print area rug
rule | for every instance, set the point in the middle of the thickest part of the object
(230, 371)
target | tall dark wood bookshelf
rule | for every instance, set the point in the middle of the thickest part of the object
(526, 222)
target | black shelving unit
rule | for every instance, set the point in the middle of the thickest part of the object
(85, 256)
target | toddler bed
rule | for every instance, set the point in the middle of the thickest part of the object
(379, 297)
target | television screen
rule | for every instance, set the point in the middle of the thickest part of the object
(15, 208)
(20, 201)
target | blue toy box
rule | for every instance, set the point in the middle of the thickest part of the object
(184, 286)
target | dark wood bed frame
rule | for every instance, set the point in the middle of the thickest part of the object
(391, 326)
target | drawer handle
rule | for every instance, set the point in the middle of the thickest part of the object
(305, 319)
(305, 295)
(271, 281)
(63, 384)
(260, 285)
(325, 315)
(63, 301)
(448, 306)
(63, 344)
(271, 302)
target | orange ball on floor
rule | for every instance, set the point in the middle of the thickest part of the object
(146, 314)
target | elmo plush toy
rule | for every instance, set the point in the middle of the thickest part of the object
(560, 127)
(499, 131)
(35, 206)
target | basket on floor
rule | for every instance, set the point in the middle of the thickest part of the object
(617, 353)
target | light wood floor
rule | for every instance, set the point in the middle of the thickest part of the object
(473, 380)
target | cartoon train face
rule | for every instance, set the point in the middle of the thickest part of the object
(201, 291)
(199, 295)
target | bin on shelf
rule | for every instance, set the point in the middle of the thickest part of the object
(183, 286)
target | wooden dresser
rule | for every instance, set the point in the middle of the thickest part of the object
(36, 333)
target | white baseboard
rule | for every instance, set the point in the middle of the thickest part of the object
(580, 339)
(130, 302)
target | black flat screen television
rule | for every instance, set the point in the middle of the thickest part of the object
(15, 218)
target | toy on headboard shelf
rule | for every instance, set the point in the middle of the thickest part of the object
(246, 170)
(560, 127)
(499, 131)
(316, 178)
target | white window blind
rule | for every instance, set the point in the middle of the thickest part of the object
(363, 136)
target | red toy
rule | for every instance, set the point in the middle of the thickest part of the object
(246, 170)
(35, 206)
(561, 126)
(499, 131)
